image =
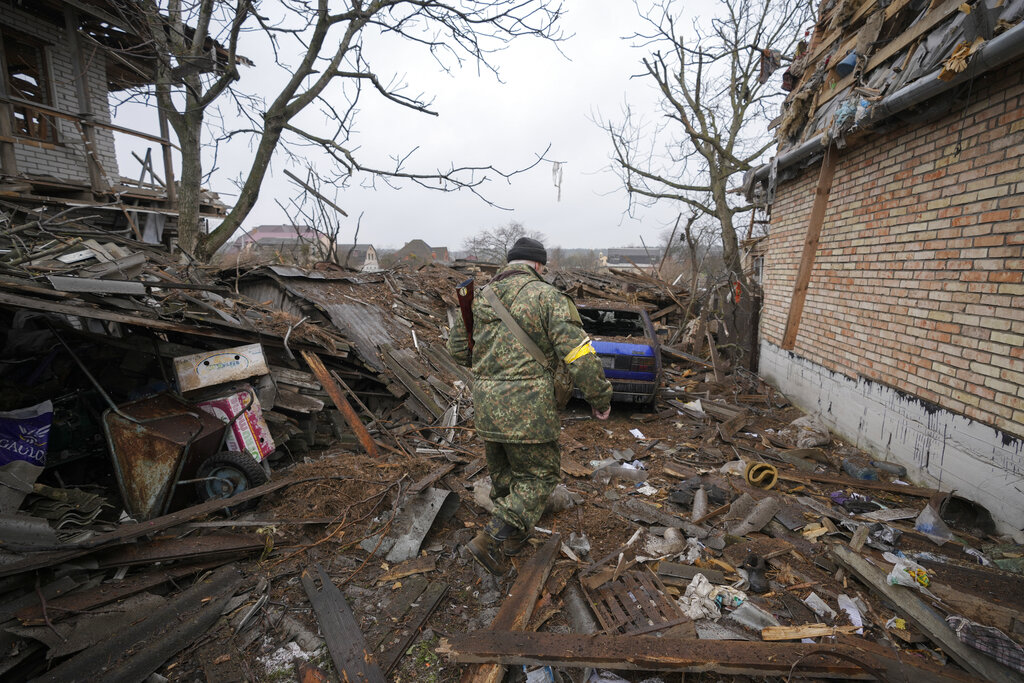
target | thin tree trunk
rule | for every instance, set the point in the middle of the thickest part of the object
(189, 235)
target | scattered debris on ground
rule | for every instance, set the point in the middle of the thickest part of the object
(720, 530)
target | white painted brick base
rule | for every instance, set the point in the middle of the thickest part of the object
(939, 448)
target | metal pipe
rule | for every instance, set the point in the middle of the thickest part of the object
(991, 55)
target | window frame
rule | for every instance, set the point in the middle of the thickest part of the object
(47, 128)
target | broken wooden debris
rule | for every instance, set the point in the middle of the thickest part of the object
(417, 565)
(649, 653)
(135, 653)
(516, 610)
(635, 602)
(345, 641)
(344, 407)
(425, 606)
(60, 607)
(923, 617)
(130, 532)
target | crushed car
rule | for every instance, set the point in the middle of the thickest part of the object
(627, 344)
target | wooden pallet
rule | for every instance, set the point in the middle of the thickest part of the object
(634, 603)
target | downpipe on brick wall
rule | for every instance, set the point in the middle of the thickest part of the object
(991, 55)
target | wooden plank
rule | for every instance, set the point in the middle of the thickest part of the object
(814, 224)
(129, 532)
(169, 549)
(675, 574)
(341, 403)
(924, 618)
(67, 605)
(417, 565)
(431, 478)
(295, 378)
(133, 654)
(773, 633)
(409, 382)
(352, 658)
(850, 482)
(428, 603)
(516, 610)
(297, 403)
(860, 536)
(85, 311)
(649, 653)
(930, 21)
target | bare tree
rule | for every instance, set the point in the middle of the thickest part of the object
(714, 106)
(492, 245)
(196, 44)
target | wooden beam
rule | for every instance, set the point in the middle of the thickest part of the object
(516, 610)
(773, 633)
(352, 658)
(836, 480)
(923, 26)
(649, 653)
(97, 180)
(8, 163)
(344, 407)
(924, 618)
(814, 224)
(51, 111)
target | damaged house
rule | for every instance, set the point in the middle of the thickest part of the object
(894, 275)
(60, 61)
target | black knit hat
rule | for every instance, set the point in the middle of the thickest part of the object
(526, 249)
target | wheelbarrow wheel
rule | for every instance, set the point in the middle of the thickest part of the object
(229, 473)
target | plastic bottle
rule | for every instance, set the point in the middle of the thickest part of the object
(606, 474)
(858, 472)
(890, 467)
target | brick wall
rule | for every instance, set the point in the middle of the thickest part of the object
(918, 281)
(68, 161)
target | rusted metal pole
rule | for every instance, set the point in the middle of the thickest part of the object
(344, 407)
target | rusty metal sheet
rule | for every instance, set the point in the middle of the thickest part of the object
(150, 455)
(223, 365)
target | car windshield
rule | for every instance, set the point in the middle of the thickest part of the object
(612, 323)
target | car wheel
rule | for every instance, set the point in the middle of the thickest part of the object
(227, 474)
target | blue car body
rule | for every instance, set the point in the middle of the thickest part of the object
(625, 341)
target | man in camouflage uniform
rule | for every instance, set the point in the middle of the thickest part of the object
(513, 395)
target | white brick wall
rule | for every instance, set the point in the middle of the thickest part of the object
(68, 161)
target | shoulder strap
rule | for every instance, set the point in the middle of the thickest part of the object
(517, 331)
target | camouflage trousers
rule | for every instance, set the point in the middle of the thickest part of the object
(523, 475)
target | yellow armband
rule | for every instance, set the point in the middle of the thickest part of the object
(580, 351)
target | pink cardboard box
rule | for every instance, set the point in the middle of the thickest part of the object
(249, 433)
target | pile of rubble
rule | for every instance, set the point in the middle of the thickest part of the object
(720, 531)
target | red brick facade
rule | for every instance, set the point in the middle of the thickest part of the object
(918, 282)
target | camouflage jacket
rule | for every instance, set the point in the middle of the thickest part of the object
(513, 396)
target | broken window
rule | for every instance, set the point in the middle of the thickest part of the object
(28, 80)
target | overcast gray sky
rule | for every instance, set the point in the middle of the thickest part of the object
(545, 98)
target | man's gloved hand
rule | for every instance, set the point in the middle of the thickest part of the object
(603, 414)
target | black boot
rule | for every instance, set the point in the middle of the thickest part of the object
(515, 543)
(485, 547)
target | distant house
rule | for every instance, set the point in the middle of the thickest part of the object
(287, 243)
(419, 251)
(359, 256)
(632, 258)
